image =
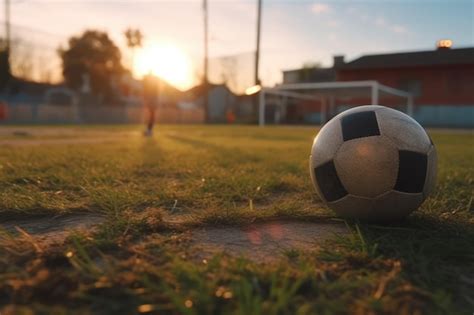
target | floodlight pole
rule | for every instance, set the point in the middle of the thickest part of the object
(7, 25)
(206, 62)
(7, 34)
(257, 50)
(261, 98)
(206, 68)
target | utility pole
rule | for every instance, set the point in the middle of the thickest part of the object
(5, 54)
(258, 100)
(206, 62)
(7, 25)
(257, 51)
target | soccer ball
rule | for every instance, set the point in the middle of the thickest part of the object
(373, 163)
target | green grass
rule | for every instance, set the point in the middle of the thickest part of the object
(137, 262)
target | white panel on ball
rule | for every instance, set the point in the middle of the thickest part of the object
(395, 205)
(326, 143)
(404, 131)
(367, 167)
(353, 207)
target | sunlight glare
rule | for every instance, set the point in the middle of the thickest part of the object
(165, 61)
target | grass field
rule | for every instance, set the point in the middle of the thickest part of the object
(151, 191)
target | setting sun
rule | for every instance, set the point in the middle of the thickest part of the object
(167, 62)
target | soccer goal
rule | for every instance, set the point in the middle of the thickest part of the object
(319, 102)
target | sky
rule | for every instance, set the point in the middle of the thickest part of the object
(293, 32)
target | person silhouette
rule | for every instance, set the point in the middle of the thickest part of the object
(150, 100)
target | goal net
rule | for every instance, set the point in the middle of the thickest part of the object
(316, 103)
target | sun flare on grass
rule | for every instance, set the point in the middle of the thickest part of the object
(166, 61)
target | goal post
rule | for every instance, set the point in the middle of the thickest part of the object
(327, 96)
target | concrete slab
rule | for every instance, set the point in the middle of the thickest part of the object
(266, 241)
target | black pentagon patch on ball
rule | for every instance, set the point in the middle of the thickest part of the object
(412, 169)
(359, 125)
(329, 182)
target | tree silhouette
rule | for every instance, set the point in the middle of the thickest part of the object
(94, 55)
(22, 60)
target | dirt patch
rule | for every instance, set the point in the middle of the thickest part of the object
(62, 132)
(266, 241)
(27, 136)
(53, 229)
(27, 142)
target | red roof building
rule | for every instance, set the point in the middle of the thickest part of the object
(441, 81)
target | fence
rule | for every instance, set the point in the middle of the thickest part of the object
(57, 114)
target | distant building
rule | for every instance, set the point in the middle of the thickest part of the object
(220, 101)
(31, 102)
(441, 80)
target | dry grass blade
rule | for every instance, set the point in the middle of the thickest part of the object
(30, 239)
(397, 267)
